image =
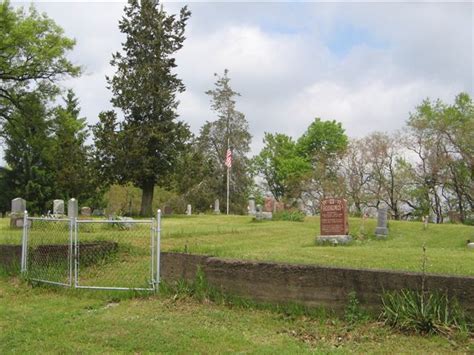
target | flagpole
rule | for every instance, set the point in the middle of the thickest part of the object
(228, 178)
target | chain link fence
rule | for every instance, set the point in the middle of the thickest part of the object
(120, 254)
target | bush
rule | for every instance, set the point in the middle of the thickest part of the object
(292, 215)
(423, 312)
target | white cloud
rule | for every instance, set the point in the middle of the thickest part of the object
(280, 60)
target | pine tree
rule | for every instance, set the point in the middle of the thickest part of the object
(230, 130)
(145, 88)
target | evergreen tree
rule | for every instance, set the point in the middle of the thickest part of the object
(71, 154)
(144, 87)
(28, 152)
(230, 130)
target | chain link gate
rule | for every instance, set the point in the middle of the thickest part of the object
(122, 254)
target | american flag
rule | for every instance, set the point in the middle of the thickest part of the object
(228, 158)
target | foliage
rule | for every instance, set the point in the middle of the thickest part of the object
(33, 56)
(74, 175)
(354, 313)
(144, 148)
(281, 166)
(442, 138)
(323, 140)
(422, 312)
(291, 215)
(28, 152)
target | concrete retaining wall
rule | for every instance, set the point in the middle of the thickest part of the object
(308, 284)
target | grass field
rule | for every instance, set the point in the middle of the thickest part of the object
(40, 319)
(36, 320)
(294, 242)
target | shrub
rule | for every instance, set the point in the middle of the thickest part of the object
(422, 312)
(354, 313)
(291, 215)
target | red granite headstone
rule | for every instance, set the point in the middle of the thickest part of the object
(279, 206)
(334, 219)
(268, 206)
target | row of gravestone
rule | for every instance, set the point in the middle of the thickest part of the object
(18, 209)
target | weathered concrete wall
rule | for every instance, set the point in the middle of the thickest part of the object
(308, 284)
(10, 257)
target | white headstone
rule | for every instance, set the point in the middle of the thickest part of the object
(58, 207)
(18, 205)
(217, 209)
(252, 209)
(188, 210)
(72, 208)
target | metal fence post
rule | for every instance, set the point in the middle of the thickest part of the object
(76, 252)
(24, 248)
(158, 248)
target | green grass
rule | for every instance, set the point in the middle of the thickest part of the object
(294, 242)
(36, 320)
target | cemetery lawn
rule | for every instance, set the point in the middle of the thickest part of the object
(238, 237)
(40, 319)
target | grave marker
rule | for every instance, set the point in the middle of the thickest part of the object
(17, 212)
(217, 209)
(58, 207)
(334, 223)
(381, 231)
(72, 208)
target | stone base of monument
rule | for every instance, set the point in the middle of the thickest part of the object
(17, 221)
(333, 239)
(381, 233)
(260, 216)
(470, 245)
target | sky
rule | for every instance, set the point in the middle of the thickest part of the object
(367, 65)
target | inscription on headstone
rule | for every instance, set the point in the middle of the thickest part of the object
(58, 207)
(334, 217)
(334, 223)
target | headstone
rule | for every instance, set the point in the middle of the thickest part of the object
(217, 209)
(261, 215)
(470, 245)
(188, 210)
(334, 223)
(381, 231)
(98, 212)
(18, 205)
(17, 213)
(72, 208)
(251, 208)
(86, 211)
(269, 203)
(58, 207)
(454, 217)
(279, 206)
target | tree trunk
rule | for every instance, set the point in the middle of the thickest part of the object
(147, 199)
